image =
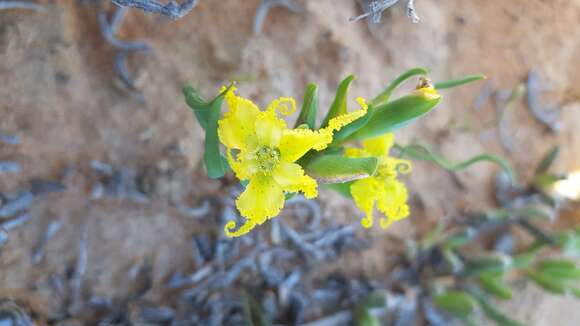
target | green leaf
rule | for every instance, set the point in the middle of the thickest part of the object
(453, 259)
(338, 107)
(492, 312)
(548, 160)
(199, 106)
(385, 95)
(547, 283)
(339, 169)
(395, 114)
(458, 82)
(494, 285)
(493, 263)
(570, 243)
(460, 238)
(253, 311)
(309, 107)
(363, 315)
(524, 260)
(424, 153)
(458, 303)
(208, 113)
(559, 269)
(432, 236)
(345, 132)
(341, 188)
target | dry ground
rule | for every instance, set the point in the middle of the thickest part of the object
(58, 93)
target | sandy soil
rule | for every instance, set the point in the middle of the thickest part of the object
(59, 94)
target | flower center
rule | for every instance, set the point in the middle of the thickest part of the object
(267, 158)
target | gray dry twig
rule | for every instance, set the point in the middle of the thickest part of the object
(374, 10)
(21, 5)
(265, 7)
(172, 9)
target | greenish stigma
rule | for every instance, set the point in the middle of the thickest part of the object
(267, 158)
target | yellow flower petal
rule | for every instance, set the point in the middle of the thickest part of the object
(269, 129)
(393, 202)
(285, 105)
(262, 199)
(243, 169)
(355, 152)
(291, 177)
(296, 142)
(379, 146)
(238, 123)
(342, 120)
(364, 193)
(247, 227)
(430, 93)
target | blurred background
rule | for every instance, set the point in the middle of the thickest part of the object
(113, 220)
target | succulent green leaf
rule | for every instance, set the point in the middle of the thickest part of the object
(395, 114)
(309, 107)
(253, 312)
(341, 188)
(424, 153)
(458, 82)
(458, 303)
(569, 242)
(453, 259)
(207, 114)
(364, 317)
(460, 238)
(339, 106)
(197, 104)
(385, 95)
(495, 286)
(343, 134)
(548, 160)
(432, 236)
(362, 313)
(548, 283)
(524, 260)
(333, 168)
(492, 263)
(493, 312)
(559, 268)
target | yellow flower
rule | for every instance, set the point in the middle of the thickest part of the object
(389, 194)
(261, 149)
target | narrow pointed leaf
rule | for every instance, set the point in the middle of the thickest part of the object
(495, 286)
(339, 169)
(492, 312)
(460, 239)
(345, 132)
(559, 269)
(207, 114)
(309, 107)
(424, 153)
(492, 263)
(524, 260)
(547, 283)
(395, 114)
(338, 107)
(458, 82)
(253, 312)
(548, 160)
(385, 95)
(197, 104)
(458, 303)
(341, 188)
